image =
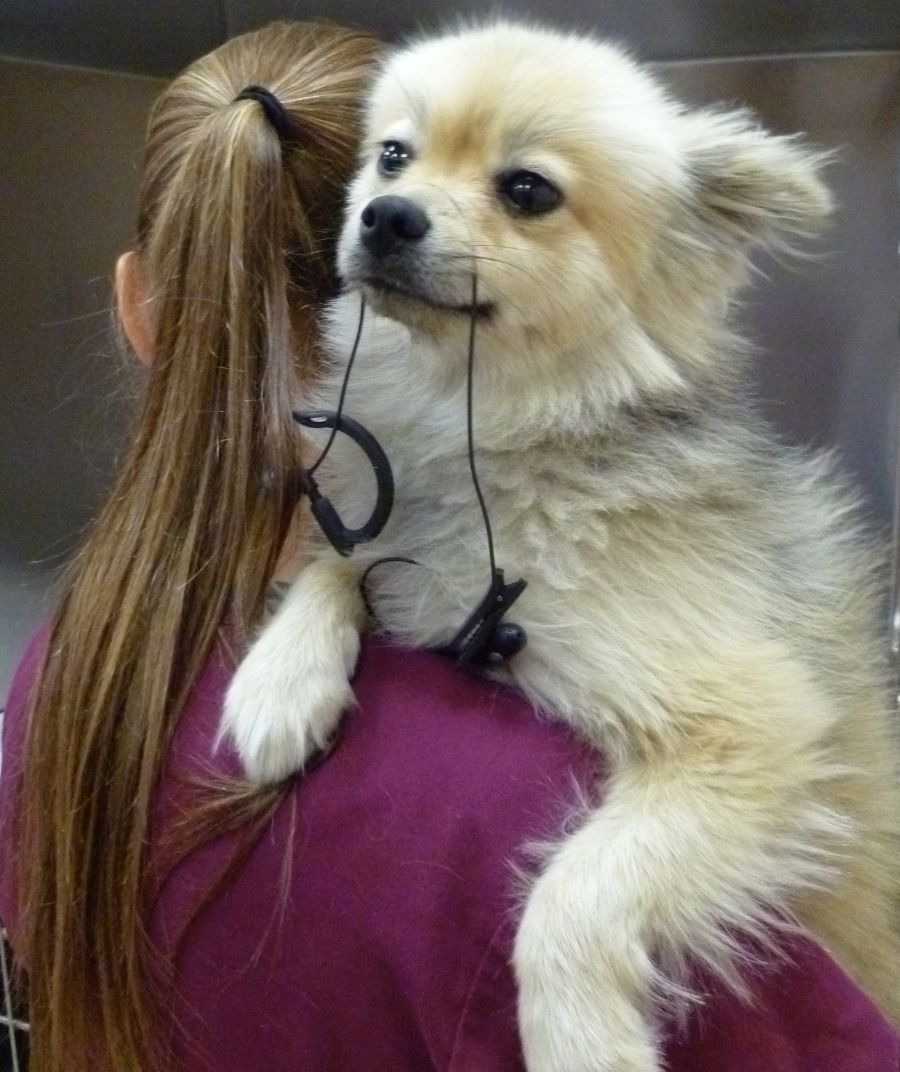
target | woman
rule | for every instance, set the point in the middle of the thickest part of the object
(360, 919)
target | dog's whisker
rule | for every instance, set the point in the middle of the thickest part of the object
(481, 258)
(500, 246)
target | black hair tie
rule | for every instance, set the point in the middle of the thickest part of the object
(273, 108)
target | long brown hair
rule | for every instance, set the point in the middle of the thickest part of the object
(235, 236)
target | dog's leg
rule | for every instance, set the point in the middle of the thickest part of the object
(287, 695)
(693, 847)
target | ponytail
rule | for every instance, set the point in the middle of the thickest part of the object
(235, 233)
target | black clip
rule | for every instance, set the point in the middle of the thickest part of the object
(484, 638)
(342, 539)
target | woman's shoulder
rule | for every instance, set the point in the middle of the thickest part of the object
(462, 747)
(431, 753)
(12, 737)
(371, 925)
(386, 888)
(402, 885)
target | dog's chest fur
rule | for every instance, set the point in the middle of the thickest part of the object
(647, 547)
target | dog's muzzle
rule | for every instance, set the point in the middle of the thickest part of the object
(391, 225)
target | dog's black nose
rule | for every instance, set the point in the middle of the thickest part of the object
(388, 224)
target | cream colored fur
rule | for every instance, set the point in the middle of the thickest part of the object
(701, 603)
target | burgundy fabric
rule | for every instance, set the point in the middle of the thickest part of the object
(370, 929)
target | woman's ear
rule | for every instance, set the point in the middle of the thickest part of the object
(134, 310)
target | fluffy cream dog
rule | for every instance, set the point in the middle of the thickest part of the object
(700, 603)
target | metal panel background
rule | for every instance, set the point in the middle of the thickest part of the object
(159, 36)
(827, 328)
(829, 361)
(656, 29)
(156, 37)
(68, 182)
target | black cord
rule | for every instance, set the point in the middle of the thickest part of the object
(482, 636)
(344, 385)
(364, 579)
(469, 428)
(470, 434)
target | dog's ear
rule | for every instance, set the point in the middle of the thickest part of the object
(752, 186)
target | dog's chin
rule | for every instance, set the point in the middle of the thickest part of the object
(416, 308)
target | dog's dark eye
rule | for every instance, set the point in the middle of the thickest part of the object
(528, 192)
(394, 157)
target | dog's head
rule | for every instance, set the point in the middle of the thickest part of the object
(599, 215)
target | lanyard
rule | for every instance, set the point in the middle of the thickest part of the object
(484, 638)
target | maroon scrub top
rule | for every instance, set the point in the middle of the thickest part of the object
(370, 928)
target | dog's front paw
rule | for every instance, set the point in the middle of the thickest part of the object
(285, 702)
(566, 1033)
(579, 999)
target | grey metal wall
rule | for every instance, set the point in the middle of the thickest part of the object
(829, 360)
(68, 179)
(160, 36)
(827, 328)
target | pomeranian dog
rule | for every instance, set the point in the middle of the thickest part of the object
(701, 602)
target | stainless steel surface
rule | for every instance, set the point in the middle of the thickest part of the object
(68, 180)
(160, 36)
(154, 37)
(827, 328)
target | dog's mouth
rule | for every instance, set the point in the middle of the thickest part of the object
(482, 310)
